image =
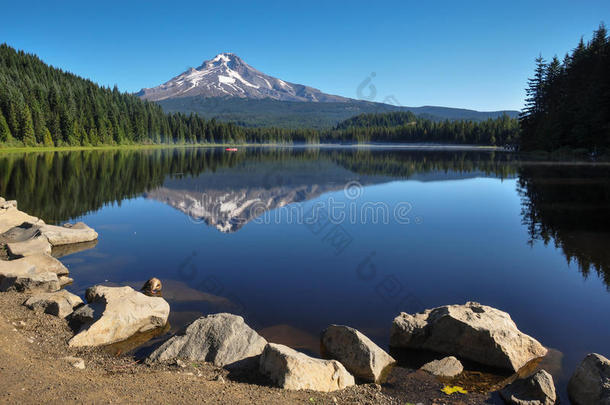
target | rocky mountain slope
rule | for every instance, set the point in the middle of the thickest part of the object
(227, 75)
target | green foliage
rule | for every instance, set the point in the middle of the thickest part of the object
(47, 139)
(568, 102)
(5, 132)
(297, 115)
(407, 127)
(26, 126)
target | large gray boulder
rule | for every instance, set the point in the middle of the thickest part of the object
(223, 339)
(590, 383)
(293, 370)
(360, 356)
(472, 331)
(537, 389)
(445, 367)
(68, 234)
(23, 275)
(60, 303)
(117, 313)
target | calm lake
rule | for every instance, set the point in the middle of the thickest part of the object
(297, 239)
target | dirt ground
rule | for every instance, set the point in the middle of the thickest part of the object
(33, 370)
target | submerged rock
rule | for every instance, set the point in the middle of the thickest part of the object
(293, 370)
(68, 234)
(472, 331)
(60, 303)
(445, 367)
(152, 287)
(223, 339)
(115, 314)
(360, 356)
(590, 383)
(23, 275)
(537, 389)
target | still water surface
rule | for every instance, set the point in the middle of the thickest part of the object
(297, 239)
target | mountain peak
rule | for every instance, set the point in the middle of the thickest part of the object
(227, 75)
(228, 59)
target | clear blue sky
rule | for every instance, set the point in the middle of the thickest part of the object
(471, 54)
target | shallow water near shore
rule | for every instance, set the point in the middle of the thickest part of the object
(297, 239)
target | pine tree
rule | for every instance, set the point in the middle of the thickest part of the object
(5, 132)
(47, 139)
(26, 125)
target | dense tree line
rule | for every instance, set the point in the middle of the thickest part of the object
(407, 127)
(44, 106)
(41, 105)
(568, 102)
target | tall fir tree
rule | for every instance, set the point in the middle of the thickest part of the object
(5, 132)
(28, 137)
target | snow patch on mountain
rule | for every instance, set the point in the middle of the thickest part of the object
(227, 75)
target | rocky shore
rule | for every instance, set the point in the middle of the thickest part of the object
(53, 344)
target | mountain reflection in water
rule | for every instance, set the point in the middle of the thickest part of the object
(566, 204)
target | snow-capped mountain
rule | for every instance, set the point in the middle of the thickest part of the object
(227, 75)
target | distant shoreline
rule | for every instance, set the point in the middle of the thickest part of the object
(256, 145)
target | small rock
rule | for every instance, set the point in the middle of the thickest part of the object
(75, 362)
(64, 281)
(293, 370)
(152, 287)
(60, 303)
(590, 383)
(537, 389)
(83, 315)
(446, 367)
(360, 356)
(68, 234)
(220, 379)
(180, 363)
